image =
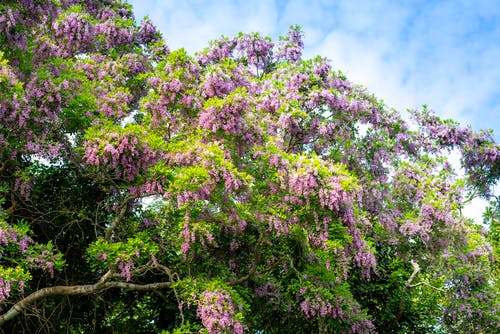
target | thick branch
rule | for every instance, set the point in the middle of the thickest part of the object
(21, 305)
(416, 270)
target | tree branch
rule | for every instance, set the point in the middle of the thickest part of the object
(408, 284)
(416, 270)
(121, 213)
(21, 305)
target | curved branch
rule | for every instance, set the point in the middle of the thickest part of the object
(408, 284)
(24, 303)
(416, 270)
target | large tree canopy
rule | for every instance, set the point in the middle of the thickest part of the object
(243, 189)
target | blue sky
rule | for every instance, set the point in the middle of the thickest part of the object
(445, 54)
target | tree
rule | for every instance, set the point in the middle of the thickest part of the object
(244, 189)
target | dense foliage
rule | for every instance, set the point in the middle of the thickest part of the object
(244, 189)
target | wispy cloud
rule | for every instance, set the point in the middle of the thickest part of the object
(192, 23)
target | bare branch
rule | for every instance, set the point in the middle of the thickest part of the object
(416, 270)
(408, 284)
(21, 305)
